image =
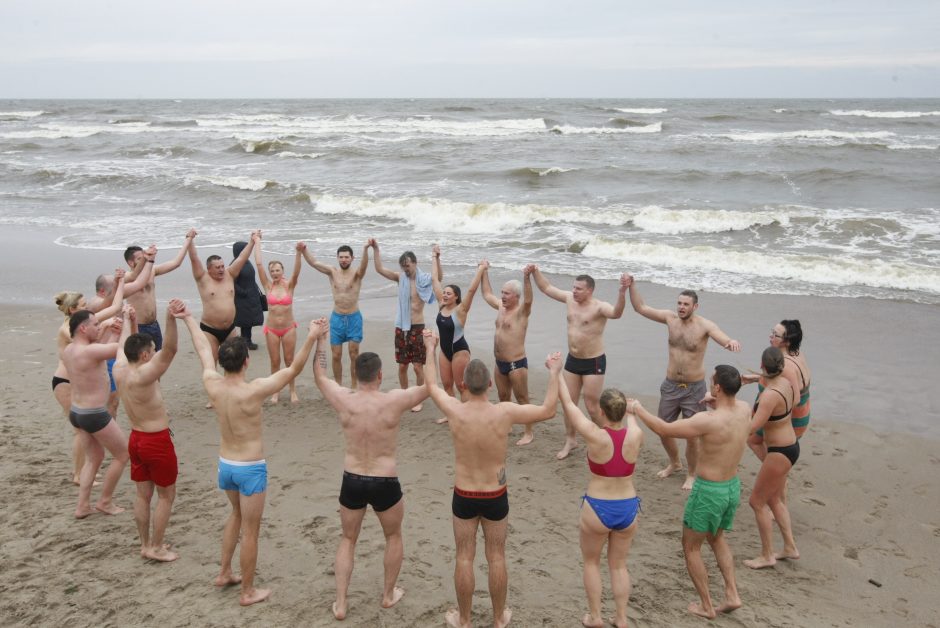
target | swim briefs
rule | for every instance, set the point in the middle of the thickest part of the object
(615, 514)
(711, 505)
(586, 366)
(505, 368)
(491, 505)
(152, 330)
(357, 491)
(220, 334)
(89, 419)
(246, 477)
(153, 457)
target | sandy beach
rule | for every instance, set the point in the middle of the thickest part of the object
(863, 497)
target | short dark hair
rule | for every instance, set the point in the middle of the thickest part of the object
(728, 378)
(476, 377)
(772, 362)
(129, 252)
(793, 335)
(136, 343)
(586, 279)
(614, 404)
(368, 366)
(233, 353)
(690, 293)
(407, 255)
(456, 290)
(211, 259)
(78, 319)
(101, 283)
(345, 249)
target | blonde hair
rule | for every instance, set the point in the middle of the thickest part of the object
(614, 404)
(68, 301)
(273, 262)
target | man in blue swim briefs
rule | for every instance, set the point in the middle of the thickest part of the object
(586, 362)
(370, 420)
(716, 492)
(684, 386)
(346, 319)
(243, 472)
(479, 429)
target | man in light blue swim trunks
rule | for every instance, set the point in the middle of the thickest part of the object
(346, 319)
(243, 472)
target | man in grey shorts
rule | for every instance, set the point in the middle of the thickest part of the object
(684, 387)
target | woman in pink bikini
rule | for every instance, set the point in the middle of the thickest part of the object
(280, 332)
(610, 505)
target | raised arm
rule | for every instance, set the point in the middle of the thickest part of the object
(640, 306)
(173, 264)
(527, 296)
(121, 357)
(688, 428)
(144, 275)
(239, 262)
(528, 413)
(198, 269)
(715, 333)
(117, 298)
(436, 273)
(584, 425)
(295, 275)
(545, 285)
(488, 295)
(363, 262)
(379, 268)
(201, 345)
(262, 271)
(330, 390)
(312, 260)
(155, 368)
(467, 300)
(274, 382)
(437, 394)
(616, 310)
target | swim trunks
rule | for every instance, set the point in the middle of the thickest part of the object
(220, 334)
(586, 366)
(246, 477)
(279, 332)
(409, 345)
(152, 330)
(153, 457)
(676, 397)
(111, 373)
(357, 491)
(711, 505)
(505, 368)
(615, 514)
(59, 380)
(792, 452)
(491, 505)
(89, 419)
(345, 327)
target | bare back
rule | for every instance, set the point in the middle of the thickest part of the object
(480, 430)
(722, 446)
(586, 322)
(370, 421)
(88, 372)
(238, 408)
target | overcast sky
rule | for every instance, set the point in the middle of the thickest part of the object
(482, 48)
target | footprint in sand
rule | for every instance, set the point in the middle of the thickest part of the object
(851, 552)
(813, 500)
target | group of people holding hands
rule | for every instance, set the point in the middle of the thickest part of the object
(716, 426)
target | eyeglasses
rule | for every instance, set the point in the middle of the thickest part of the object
(774, 334)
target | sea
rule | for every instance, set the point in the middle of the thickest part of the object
(808, 197)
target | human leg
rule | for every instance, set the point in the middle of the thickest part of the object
(618, 549)
(93, 454)
(394, 552)
(252, 507)
(725, 559)
(519, 380)
(161, 517)
(273, 342)
(112, 438)
(769, 481)
(289, 344)
(229, 540)
(691, 460)
(458, 366)
(142, 514)
(419, 381)
(573, 382)
(692, 549)
(336, 353)
(591, 387)
(594, 535)
(778, 507)
(353, 349)
(465, 539)
(351, 522)
(494, 536)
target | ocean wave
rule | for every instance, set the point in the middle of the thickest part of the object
(641, 110)
(13, 116)
(655, 219)
(826, 270)
(159, 151)
(864, 113)
(457, 217)
(720, 117)
(357, 125)
(805, 134)
(293, 155)
(781, 110)
(540, 172)
(567, 129)
(175, 123)
(138, 121)
(262, 147)
(54, 133)
(238, 183)
(625, 123)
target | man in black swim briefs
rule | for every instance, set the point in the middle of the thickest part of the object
(370, 419)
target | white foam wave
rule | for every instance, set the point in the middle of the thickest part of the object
(20, 115)
(56, 132)
(827, 270)
(239, 183)
(654, 219)
(288, 153)
(352, 124)
(805, 134)
(554, 170)
(883, 114)
(641, 110)
(781, 110)
(456, 217)
(566, 129)
(902, 146)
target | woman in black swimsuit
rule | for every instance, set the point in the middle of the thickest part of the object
(772, 413)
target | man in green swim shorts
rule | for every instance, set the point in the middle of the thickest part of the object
(709, 511)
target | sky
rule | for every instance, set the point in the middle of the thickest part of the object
(483, 48)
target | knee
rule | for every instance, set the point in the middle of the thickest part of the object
(756, 501)
(121, 456)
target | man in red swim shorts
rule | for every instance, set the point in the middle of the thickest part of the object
(137, 373)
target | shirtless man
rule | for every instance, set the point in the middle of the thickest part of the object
(414, 290)
(586, 362)
(512, 322)
(145, 302)
(480, 430)
(216, 285)
(137, 371)
(370, 419)
(85, 358)
(684, 386)
(243, 473)
(716, 491)
(346, 319)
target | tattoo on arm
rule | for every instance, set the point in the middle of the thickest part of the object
(501, 476)
(321, 358)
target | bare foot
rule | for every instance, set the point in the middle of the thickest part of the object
(339, 613)
(760, 562)
(441, 420)
(504, 620)
(161, 554)
(569, 445)
(696, 609)
(418, 407)
(689, 481)
(109, 509)
(208, 405)
(618, 624)
(729, 605)
(397, 594)
(77, 483)
(527, 438)
(146, 548)
(81, 514)
(274, 398)
(669, 470)
(589, 622)
(227, 580)
(254, 596)
(788, 554)
(452, 617)
(294, 398)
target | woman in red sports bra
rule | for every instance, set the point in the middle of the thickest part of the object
(612, 505)
(280, 332)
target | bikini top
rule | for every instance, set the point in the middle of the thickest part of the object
(775, 417)
(617, 466)
(802, 378)
(287, 299)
